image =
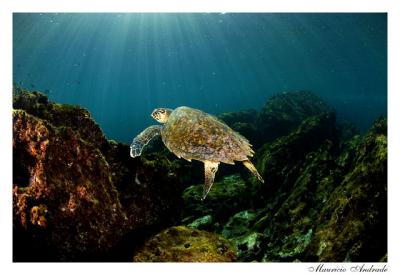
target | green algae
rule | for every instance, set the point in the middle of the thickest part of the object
(239, 223)
(250, 247)
(223, 199)
(183, 244)
(204, 223)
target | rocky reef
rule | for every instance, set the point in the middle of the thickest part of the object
(77, 195)
(80, 197)
(285, 111)
(326, 209)
(325, 193)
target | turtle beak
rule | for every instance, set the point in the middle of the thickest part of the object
(153, 114)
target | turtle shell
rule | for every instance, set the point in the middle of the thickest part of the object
(193, 134)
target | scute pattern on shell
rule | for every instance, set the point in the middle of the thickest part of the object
(193, 134)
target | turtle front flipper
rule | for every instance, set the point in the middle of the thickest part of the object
(143, 138)
(210, 168)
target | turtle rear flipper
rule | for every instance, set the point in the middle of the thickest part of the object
(143, 138)
(210, 168)
(247, 163)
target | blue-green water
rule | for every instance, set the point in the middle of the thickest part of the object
(122, 66)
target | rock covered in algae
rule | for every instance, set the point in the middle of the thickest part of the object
(324, 198)
(330, 212)
(240, 223)
(245, 116)
(281, 161)
(183, 244)
(250, 246)
(64, 115)
(224, 198)
(76, 194)
(56, 170)
(285, 111)
(353, 221)
(204, 223)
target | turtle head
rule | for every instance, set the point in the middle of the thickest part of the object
(161, 114)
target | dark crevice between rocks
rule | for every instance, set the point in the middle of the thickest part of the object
(130, 243)
(28, 246)
(22, 165)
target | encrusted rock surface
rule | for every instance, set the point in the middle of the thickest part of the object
(183, 244)
(76, 194)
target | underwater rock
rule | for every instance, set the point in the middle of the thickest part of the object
(149, 188)
(290, 223)
(183, 244)
(347, 131)
(281, 161)
(285, 111)
(239, 229)
(75, 194)
(204, 223)
(249, 247)
(63, 197)
(245, 116)
(353, 221)
(72, 116)
(294, 245)
(240, 223)
(348, 152)
(330, 212)
(224, 199)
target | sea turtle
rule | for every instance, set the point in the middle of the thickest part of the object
(193, 134)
